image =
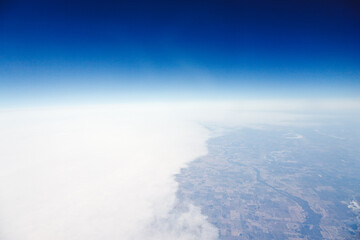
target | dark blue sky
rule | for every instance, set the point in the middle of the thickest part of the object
(182, 48)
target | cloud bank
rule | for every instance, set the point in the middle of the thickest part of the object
(96, 174)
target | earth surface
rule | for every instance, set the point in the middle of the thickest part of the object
(279, 183)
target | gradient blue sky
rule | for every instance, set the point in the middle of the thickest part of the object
(58, 51)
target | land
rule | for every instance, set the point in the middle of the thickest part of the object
(278, 183)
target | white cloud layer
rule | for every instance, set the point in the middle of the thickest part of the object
(107, 172)
(96, 174)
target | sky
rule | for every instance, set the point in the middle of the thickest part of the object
(114, 51)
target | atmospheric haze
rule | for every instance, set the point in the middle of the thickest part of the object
(107, 172)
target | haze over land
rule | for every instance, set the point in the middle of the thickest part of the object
(108, 172)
